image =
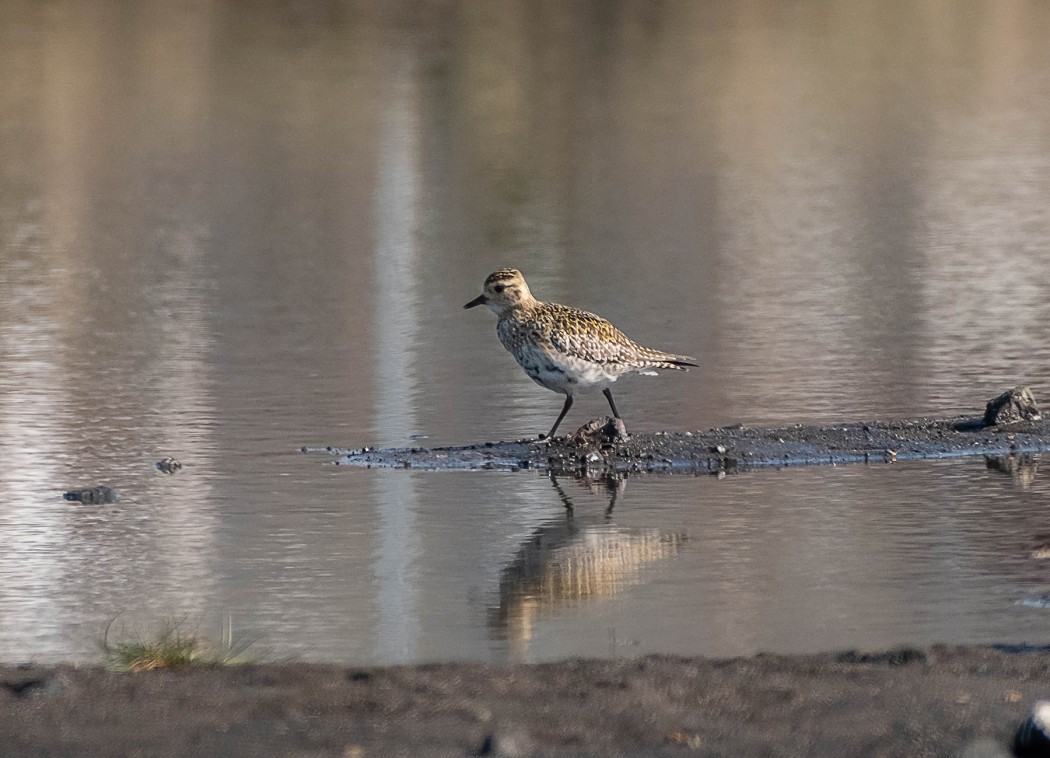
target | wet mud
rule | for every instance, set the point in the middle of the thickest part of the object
(939, 701)
(726, 449)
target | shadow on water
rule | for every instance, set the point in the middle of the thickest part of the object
(580, 557)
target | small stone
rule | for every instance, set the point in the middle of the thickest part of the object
(170, 465)
(1011, 407)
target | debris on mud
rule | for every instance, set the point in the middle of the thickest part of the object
(600, 431)
(601, 446)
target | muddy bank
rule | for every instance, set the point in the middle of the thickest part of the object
(726, 449)
(934, 702)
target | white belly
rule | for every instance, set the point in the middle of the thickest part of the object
(563, 373)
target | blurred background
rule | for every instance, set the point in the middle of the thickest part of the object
(229, 230)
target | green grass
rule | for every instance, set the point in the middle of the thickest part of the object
(173, 647)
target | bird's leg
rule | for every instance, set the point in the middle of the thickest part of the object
(608, 396)
(565, 499)
(565, 409)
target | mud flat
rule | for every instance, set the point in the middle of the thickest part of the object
(941, 701)
(599, 447)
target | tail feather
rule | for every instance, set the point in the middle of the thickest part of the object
(669, 361)
(677, 365)
(684, 362)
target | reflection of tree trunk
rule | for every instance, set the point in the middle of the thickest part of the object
(397, 322)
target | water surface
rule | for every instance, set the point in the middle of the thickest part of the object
(227, 232)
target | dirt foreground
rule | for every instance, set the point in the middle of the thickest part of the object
(942, 701)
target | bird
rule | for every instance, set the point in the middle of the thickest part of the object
(566, 349)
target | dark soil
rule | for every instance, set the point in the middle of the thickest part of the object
(935, 702)
(734, 448)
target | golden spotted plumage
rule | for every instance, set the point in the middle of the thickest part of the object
(565, 349)
(559, 330)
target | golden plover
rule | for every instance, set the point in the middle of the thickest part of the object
(565, 349)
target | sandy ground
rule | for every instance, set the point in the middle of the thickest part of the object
(943, 701)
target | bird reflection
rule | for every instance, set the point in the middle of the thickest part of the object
(567, 561)
(1020, 467)
(611, 483)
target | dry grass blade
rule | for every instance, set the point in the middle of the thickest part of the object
(173, 648)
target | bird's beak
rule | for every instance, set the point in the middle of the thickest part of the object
(479, 300)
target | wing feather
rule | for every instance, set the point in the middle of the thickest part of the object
(586, 336)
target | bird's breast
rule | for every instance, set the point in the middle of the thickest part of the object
(559, 372)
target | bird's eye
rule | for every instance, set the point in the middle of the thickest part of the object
(499, 289)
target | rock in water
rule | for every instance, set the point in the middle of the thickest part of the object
(1010, 407)
(168, 465)
(97, 494)
(1033, 738)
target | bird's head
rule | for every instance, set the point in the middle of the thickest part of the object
(503, 290)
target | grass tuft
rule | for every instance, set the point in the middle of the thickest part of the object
(173, 648)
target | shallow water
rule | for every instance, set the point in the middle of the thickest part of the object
(227, 234)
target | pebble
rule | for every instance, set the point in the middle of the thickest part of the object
(168, 465)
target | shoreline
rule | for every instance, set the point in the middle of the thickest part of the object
(941, 700)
